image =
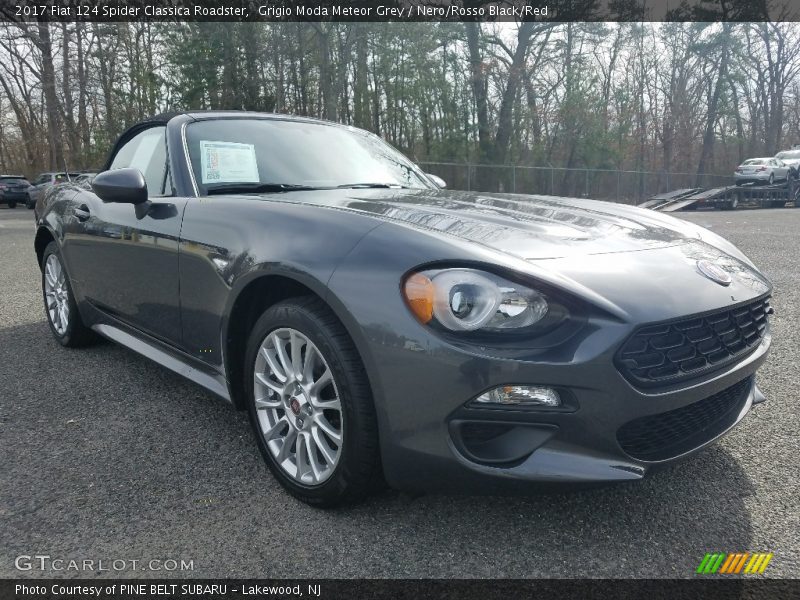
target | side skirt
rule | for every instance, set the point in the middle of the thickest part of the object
(168, 357)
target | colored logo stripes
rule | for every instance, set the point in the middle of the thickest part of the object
(738, 562)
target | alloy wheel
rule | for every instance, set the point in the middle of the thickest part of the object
(56, 294)
(298, 406)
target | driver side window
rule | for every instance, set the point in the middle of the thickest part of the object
(147, 151)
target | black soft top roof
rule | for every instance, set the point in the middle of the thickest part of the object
(154, 121)
(164, 118)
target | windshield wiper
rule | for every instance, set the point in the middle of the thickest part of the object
(256, 188)
(372, 185)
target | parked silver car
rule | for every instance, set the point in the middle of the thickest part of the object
(792, 159)
(761, 170)
(44, 181)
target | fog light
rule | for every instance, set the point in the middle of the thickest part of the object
(519, 395)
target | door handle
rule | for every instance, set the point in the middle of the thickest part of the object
(82, 212)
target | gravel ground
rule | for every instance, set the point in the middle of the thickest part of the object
(106, 455)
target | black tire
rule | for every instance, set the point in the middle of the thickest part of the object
(771, 178)
(76, 333)
(30, 204)
(358, 469)
(730, 204)
(12, 204)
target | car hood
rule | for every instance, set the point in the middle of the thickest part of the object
(528, 227)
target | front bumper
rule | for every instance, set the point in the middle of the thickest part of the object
(577, 444)
(14, 196)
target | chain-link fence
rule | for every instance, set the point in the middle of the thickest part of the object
(629, 187)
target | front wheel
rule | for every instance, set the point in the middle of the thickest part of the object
(771, 178)
(59, 302)
(310, 404)
(12, 204)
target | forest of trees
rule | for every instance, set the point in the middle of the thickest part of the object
(676, 97)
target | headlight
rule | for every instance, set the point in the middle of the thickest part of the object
(471, 300)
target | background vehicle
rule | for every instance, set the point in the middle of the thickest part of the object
(85, 179)
(13, 190)
(44, 181)
(791, 158)
(372, 323)
(761, 170)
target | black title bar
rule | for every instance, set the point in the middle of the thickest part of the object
(399, 10)
(714, 588)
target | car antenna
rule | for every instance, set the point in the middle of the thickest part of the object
(66, 170)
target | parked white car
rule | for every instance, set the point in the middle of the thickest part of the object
(761, 170)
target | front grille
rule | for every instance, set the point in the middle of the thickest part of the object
(669, 434)
(680, 350)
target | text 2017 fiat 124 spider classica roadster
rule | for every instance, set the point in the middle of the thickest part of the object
(377, 326)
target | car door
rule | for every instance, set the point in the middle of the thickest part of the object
(124, 257)
(783, 169)
(40, 182)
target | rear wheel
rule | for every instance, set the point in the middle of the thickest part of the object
(12, 204)
(310, 404)
(59, 303)
(730, 204)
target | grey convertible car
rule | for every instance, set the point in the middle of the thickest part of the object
(377, 327)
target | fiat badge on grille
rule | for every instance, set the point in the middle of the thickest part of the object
(714, 272)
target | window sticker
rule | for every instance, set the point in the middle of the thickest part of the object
(224, 162)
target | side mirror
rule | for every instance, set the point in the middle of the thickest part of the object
(437, 180)
(126, 186)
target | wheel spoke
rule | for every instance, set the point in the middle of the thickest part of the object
(276, 429)
(301, 457)
(327, 428)
(48, 275)
(268, 403)
(280, 375)
(280, 351)
(296, 347)
(310, 446)
(262, 379)
(330, 458)
(327, 404)
(320, 383)
(310, 362)
(286, 448)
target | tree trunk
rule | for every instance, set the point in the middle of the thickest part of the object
(479, 85)
(50, 98)
(83, 124)
(713, 105)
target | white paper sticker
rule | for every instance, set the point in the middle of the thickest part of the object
(225, 162)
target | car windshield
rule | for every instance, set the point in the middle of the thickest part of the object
(755, 161)
(788, 155)
(13, 180)
(274, 155)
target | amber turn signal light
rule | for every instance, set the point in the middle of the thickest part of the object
(418, 291)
